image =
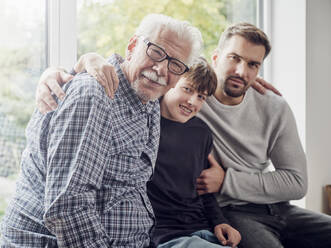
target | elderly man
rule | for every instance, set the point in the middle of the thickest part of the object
(85, 168)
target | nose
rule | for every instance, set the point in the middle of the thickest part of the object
(242, 70)
(161, 68)
(192, 100)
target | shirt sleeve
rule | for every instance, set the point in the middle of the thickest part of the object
(287, 182)
(212, 210)
(78, 144)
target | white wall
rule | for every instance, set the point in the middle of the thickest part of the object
(318, 101)
(300, 67)
(287, 62)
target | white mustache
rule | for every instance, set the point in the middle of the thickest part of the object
(151, 75)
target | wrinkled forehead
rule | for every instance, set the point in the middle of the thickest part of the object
(175, 45)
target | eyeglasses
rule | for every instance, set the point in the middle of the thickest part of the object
(158, 54)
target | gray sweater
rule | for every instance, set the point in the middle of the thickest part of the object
(246, 137)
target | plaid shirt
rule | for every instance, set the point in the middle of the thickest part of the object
(84, 171)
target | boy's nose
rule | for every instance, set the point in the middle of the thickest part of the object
(191, 100)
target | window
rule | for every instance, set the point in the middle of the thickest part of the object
(105, 26)
(22, 59)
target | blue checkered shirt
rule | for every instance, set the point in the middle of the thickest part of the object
(84, 171)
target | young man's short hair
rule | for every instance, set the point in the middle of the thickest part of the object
(247, 31)
(202, 76)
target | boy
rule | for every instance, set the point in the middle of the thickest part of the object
(185, 144)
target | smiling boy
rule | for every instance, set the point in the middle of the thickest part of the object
(184, 218)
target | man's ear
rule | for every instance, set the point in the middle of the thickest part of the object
(214, 58)
(131, 46)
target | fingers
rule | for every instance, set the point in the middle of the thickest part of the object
(220, 236)
(53, 87)
(65, 77)
(104, 77)
(259, 88)
(212, 161)
(107, 80)
(265, 85)
(44, 99)
(115, 80)
(104, 80)
(234, 237)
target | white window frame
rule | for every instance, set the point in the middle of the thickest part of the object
(62, 33)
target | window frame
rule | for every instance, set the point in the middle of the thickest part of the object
(61, 33)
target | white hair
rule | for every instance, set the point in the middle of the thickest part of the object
(183, 29)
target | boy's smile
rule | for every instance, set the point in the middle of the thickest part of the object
(182, 102)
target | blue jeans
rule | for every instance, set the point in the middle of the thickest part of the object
(279, 225)
(199, 239)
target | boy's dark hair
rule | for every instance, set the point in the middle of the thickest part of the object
(247, 31)
(202, 76)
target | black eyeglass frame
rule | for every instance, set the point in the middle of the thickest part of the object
(166, 57)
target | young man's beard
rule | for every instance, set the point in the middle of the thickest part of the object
(234, 93)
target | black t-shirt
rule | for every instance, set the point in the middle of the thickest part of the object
(182, 156)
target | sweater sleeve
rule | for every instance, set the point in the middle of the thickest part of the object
(289, 179)
(212, 211)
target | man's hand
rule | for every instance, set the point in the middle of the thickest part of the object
(53, 78)
(227, 235)
(50, 82)
(100, 69)
(210, 180)
(260, 85)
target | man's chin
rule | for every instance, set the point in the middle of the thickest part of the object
(146, 96)
(233, 93)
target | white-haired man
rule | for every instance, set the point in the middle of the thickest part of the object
(85, 168)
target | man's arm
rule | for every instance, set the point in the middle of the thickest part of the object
(78, 144)
(287, 182)
(53, 78)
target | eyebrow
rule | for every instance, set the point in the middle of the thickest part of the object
(249, 61)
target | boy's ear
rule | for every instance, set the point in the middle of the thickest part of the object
(131, 46)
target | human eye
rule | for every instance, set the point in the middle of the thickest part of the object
(254, 65)
(176, 66)
(155, 52)
(234, 57)
(187, 89)
(202, 97)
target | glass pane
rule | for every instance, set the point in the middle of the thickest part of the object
(22, 59)
(105, 26)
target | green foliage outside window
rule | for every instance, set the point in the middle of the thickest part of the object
(107, 28)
